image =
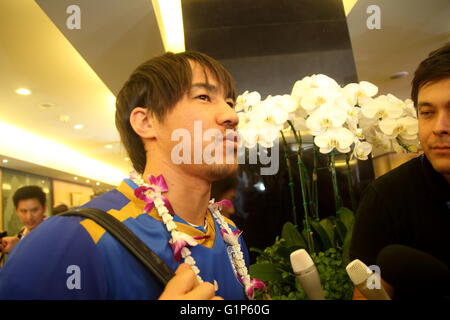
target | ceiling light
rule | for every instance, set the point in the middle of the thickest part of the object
(97, 183)
(49, 153)
(45, 105)
(5, 161)
(108, 146)
(23, 92)
(78, 126)
(88, 181)
(398, 75)
(75, 178)
(170, 21)
(126, 159)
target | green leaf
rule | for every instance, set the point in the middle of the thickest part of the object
(266, 272)
(346, 216)
(346, 246)
(292, 236)
(328, 226)
(323, 236)
(341, 230)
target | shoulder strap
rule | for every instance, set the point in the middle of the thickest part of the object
(128, 239)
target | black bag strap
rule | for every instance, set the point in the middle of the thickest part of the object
(128, 239)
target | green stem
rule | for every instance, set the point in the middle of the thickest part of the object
(315, 193)
(303, 183)
(337, 197)
(350, 182)
(291, 180)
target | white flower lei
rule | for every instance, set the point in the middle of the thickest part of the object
(229, 237)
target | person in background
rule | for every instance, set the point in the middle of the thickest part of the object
(30, 204)
(225, 189)
(403, 221)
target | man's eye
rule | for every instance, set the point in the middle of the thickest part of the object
(204, 97)
(425, 113)
(231, 104)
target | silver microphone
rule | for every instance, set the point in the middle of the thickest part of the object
(306, 273)
(359, 273)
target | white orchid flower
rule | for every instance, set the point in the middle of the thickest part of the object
(362, 150)
(339, 138)
(312, 92)
(379, 141)
(246, 100)
(284, 102)
(407, 127)
(382, 107)
(356, 92)
(409, 108)
(327, 116)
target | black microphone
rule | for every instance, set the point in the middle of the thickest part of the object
(413, 273)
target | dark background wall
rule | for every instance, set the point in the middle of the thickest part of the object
(267, 45)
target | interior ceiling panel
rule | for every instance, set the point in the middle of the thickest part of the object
(231, 29)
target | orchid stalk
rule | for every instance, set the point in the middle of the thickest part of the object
(350, 182)
(303, 184)
(315, 191)
(291, 180)
(332, 168)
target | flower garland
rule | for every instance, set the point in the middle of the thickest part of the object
(179, 242)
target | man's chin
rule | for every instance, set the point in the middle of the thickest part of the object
(440, 164)
(221, 171)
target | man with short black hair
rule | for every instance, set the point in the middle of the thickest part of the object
(410, 205)
(30, 204)
(164, 203)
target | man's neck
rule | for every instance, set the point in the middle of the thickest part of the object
(188, 194)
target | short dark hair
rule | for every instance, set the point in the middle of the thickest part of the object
(158, 85)
(29, 192)
(434, 68)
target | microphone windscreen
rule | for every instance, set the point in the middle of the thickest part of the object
(413, 273)
(301, 261)
(358, 271)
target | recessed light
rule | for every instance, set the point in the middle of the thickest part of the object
(398, 75)
(97, 183)
(5, 161)
(23, 91)
(78, 126)
(45, 105)
(108, 146)
(75, 178)
(127, 159)
(88, 181)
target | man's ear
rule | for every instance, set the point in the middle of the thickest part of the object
(142, 122)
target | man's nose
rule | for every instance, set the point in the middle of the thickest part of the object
(442, 124)
(227, 116)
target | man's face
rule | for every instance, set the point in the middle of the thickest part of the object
(30, 212)
(204, 105)
(434, 124)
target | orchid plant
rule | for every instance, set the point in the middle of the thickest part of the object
(350, 120)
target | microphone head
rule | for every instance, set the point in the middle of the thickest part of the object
(358, 271)
(301, 261)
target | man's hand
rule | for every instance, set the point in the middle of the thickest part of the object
(7, 243)
(184, 286)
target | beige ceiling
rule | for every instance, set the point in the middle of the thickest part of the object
(76, 71)
(80, 71)
(410, 30)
